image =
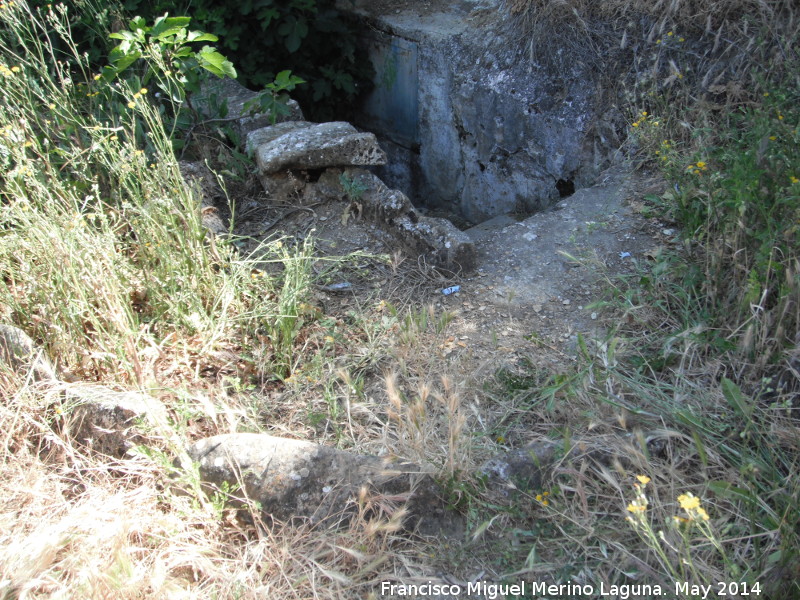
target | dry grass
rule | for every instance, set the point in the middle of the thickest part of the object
(724, 48)
(76, 524)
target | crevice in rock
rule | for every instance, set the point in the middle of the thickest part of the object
(565, 187)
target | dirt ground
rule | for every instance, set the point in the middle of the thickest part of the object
(537, 282)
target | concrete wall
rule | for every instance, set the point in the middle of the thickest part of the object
(486, 131)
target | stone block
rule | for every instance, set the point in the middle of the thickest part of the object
(294, 478)
(111, 422)
(316, 146)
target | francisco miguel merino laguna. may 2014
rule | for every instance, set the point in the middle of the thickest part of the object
(498, 590)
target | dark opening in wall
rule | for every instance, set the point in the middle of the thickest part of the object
(565, 187)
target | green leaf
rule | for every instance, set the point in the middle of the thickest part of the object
(731, 492)
(183, 52)
(286, 81)
(214, 62)
(736, 399)
(266, 16)
(200, 36)
(294, 30)
(165, 26)
(138, 24)
(123, 35)
(122, 60)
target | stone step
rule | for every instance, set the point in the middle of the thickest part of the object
(485, 229)
(303, 145)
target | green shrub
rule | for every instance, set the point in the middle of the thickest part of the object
(737, 197)
(264, 37)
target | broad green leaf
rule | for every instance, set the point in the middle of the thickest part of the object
(265, 17)
(736, 399)
(123, 35)
(294, 30)
(138, 23)
(730, 491)
(199, 36)
(166, 26)
(122, 61)
(214, 62)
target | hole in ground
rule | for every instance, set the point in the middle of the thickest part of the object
(565, 187)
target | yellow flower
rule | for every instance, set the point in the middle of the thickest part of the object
(131, 104)
(701, 165)
(688, 502)
(15, 69)
(97, 77)
(636, 124)
(644, 113)
(635, 507)
(658, 41)
(702, 513)
(682, 40)
(143, 91)
(794, 179)
(643, 479)
(773, 138)
(670, 34)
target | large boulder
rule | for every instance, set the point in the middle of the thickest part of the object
(294, 478)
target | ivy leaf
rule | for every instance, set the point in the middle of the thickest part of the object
(286, 81)
(266, 16)
(294, 30)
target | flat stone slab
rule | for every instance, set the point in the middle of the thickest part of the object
(314, 146)
(294, 478)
